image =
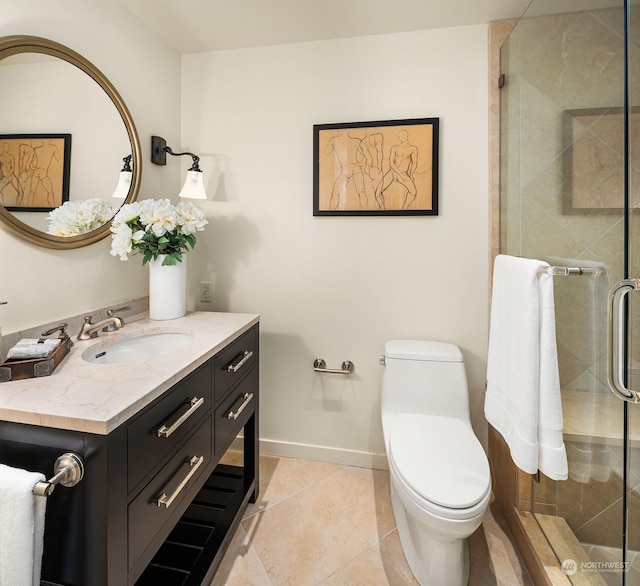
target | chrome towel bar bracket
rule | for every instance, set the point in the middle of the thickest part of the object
(319, 365)
(68, 471)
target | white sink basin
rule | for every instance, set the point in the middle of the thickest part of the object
(136, 348)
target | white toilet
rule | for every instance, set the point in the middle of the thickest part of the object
(440, 481)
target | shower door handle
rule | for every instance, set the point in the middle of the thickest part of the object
(616, 341)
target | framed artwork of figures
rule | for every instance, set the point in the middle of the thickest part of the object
(34, 171)
(383, 168)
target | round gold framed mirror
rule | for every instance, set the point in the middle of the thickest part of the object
(65, 133)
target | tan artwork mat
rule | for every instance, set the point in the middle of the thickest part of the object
(376, 168)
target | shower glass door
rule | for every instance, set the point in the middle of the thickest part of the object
(632, 495)
(563, 187)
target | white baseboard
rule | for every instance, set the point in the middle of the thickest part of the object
(324, 454)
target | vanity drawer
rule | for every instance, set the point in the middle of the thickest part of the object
(234, 412)
(170, 486)
(232, 363)
(161, 429)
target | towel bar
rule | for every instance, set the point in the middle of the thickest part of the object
(68, 471)
(319, 365)
(572, 271)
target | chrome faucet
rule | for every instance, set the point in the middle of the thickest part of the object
(90, 330)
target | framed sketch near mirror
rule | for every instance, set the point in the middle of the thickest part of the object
(34, 171)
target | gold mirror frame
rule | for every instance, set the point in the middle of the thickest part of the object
(16, 44)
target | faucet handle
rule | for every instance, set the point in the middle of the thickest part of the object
(61, 327)
(110, 312)
(113, 326)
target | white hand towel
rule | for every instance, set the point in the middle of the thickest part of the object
(33, 348)
(523, 399)
(21, 527)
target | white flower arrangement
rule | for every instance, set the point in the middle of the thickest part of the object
(154, 227)
(73, 218)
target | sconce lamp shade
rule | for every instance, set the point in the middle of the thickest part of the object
(124, 179)
(193, 187)
(124, 184)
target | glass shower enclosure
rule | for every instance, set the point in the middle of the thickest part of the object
(569, 195)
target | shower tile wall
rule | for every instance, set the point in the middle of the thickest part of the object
(556, 64)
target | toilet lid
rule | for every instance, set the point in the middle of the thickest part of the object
(441, 459)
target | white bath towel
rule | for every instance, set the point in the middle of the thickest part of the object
(21, 527)
(523, 401)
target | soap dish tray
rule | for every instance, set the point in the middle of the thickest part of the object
(34, 367)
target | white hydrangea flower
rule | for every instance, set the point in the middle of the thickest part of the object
(79, 217)
(127, 212)
(121, 241)
(159, 217)
(190, 217)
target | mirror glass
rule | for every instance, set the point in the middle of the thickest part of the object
(64, 132)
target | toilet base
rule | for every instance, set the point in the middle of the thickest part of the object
(436, 552)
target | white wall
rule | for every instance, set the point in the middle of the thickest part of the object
(338, 288)
(43, 285)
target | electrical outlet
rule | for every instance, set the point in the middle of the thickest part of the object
(205, 291)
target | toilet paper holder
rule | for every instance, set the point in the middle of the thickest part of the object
(319, 365)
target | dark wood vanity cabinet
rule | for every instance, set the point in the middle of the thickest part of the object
(161, 497)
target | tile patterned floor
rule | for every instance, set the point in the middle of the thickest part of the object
(327, 524)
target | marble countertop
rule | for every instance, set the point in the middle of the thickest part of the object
(97, 398)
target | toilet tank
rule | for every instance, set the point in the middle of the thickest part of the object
(424, 377)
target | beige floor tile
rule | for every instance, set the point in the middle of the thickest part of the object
(362, 495)
(304, 539)
(392, 555)
(241, 565)
(318, 470)
(369, 568)
(279, 478)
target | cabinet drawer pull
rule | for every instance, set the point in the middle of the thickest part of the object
(246, 399)
(236, 367)
(168, 428)
(192, 466)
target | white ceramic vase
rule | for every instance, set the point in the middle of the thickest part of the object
(167, 289)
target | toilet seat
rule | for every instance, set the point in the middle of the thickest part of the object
(441, 461)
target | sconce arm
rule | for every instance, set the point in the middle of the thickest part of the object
(159, 150)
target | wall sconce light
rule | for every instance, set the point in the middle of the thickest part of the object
(193, 187)
(124, 179)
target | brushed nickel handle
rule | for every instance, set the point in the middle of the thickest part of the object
(191, 466)
(245, 357)
(246, 399)
(168, 428)
(615, 342)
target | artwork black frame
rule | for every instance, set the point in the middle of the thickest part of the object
(34, 171)
(376, 168)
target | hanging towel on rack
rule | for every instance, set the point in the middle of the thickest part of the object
(523, 400)
(21, 527)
